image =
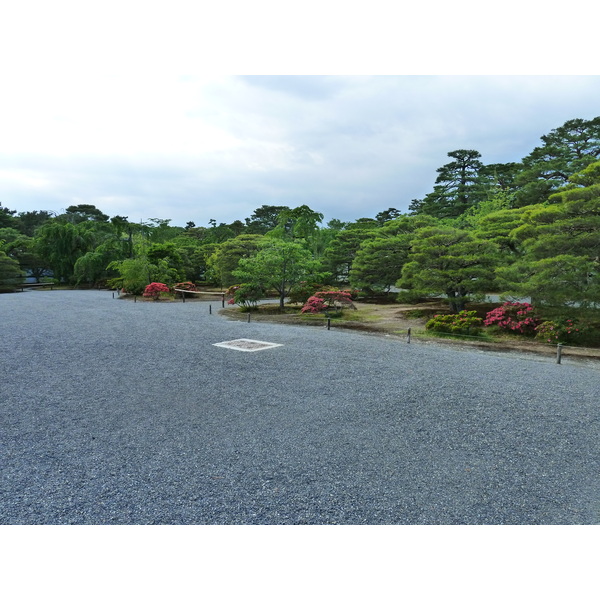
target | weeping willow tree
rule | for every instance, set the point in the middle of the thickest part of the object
(61, 244)
(93, 267)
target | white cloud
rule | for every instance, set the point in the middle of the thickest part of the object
(126, 107)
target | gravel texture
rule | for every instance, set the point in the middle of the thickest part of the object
(115, 412)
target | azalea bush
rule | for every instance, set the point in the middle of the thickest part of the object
(560, 331)
(155, 290)
(188, 286)
(245, 295)
(515, 317)
(322, 301)
(466, 322)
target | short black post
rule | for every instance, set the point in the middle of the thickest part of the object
(183, 297)
(328, 323)
(135, 297)
(113, 295)
(248, 317)
(223, 301)
(558, 353)
(210, 309)
(408, 336)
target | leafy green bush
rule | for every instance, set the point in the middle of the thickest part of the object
(466, 322)
(561, 331)
(302, 291)
(245, 295)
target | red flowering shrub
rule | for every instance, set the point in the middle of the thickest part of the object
(188, 286)
(517, 317)
(154, 290)
(314, 305)
(321, 301)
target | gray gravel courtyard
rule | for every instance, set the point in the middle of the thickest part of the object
(115, 412)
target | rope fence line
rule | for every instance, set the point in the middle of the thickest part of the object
(560, 347)
(184, 292)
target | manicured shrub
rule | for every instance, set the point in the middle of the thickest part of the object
(155, 290)
(560, 331)
(515, 317)
(466, 322)
(245, 295)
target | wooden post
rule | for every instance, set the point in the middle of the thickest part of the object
(558, 353)
(408, 336)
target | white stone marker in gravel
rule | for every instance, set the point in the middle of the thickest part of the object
(245, 345)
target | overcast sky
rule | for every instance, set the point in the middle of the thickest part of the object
(129, 111)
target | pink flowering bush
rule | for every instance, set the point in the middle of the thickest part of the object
(466, 322)
(559, 331)
(326, 300)
(314, 305)
(154, 290)
(515, 317)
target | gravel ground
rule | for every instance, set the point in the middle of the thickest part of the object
(115, 412)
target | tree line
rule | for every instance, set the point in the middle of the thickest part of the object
(527, 229)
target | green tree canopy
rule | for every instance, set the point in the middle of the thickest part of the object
(83, 212)
(226, 257)
(341, 251)
(379, 261)
(449, 261)
(7, 218)
(457, 187)
(560, 245)
(10, 273)
(60, 244)
(278, 265)
(265, 218)
(21, 248)
(565, 151)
